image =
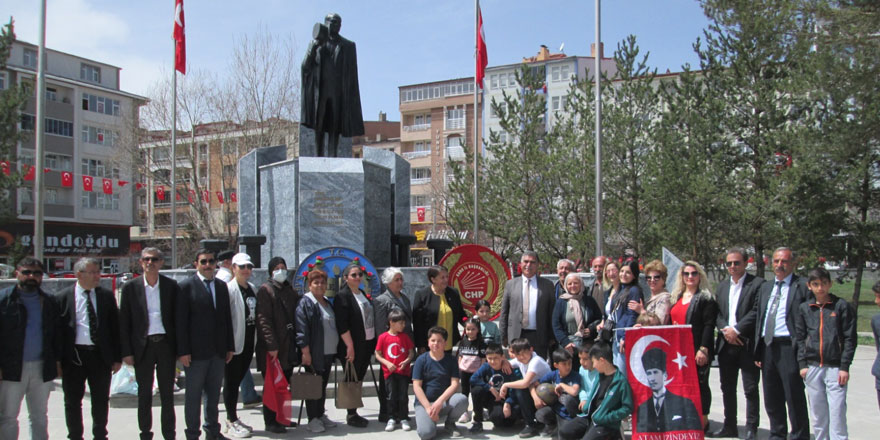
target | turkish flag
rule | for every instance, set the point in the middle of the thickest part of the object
(482, 55)
(177, 196)
(220, 196)
(420, 212)
(233, 197)
(66, 179)
(276, 391)
(192, 195)
(46, 170)
(179, 38)
(160, 193)
(108, 186)
(138, 185)
(87, 183)
(30, 172)
(661, 361)
(5, 166)
(206, 196)
(121, 183)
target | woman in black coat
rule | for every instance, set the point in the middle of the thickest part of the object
(438, 305)
(357, 330)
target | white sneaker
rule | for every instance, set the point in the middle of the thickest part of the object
(404, 424)
(238, 423)
(315, 426)
(465, 418)
(236, 431)
(326, 422)
(390, 425)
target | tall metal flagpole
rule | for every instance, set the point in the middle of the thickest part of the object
(476, 145)
(40, 128)
(174, 163)
(597, 72)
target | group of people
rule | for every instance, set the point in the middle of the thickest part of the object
(790, 331)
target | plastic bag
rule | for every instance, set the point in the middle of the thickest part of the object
(123, 381)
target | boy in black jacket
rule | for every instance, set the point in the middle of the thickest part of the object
(485, 391)
(826, 343)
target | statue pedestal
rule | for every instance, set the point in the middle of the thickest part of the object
(309, 148)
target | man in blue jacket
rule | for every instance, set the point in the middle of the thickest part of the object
(30, 350)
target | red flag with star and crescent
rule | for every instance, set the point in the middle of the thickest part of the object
(179, 38)
(160, 193)
(87, 183)
(66, 179)
(107, 184)
(662, 373)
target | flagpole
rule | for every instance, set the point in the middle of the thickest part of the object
(174, 162)
(476, 146)
(40, 128)
(597, 73)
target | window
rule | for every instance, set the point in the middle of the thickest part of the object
(422, 119)
(418, 200)
(502, 81)
(97, 168)
(565, 72)
(455, 113)
(59, 162)
(161, 154)
(228, 170)
(420, 175)
(230, 147)
(511, 79)
(493, 81)
(51, 94)
(100, 104)
(421, 146)
(494, 114)
(554, 103)
(203, 151)
(30, 58)
(53, 126)
(2, 80)
(88, 72)
(28, 122)
(99, 200)
(454, 141)
(50, 195)
(435, 91)
(99, 136)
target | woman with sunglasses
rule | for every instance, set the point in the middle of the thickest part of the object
(693, 303)
(355, 321)
(437, 305)
(658, 303)
(242, 306)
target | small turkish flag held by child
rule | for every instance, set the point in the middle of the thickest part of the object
(87, 183)
(66, 179)
(160, 193)
(220, 196)
(108, 186)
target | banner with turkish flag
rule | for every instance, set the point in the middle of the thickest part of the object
(179, 38)
(662, 373)
(66, 179)
(276, 391)
(220, 196)
(87, 183)
(233, 197)
(206, 196)
(160, 193)
(30, 172)
(108, 186)
(482, 53)
(420, 213)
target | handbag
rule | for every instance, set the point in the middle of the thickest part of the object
(349, 390)
(305, 385)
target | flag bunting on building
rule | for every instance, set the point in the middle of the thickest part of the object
(87, 183)
(233, 197)
(220, 196)
(29, 172)
(107, 185)
(160, 193)
(66, 179)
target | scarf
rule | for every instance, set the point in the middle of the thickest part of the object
(574, 304)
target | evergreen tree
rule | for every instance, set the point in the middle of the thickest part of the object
(12, 101)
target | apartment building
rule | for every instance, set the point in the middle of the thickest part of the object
(87, 194)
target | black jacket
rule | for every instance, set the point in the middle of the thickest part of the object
(426, 307)
(108, 324)
(349, 319)
(13, 320)
(203, 330)
(134, 322)
(797, 294)
(701, 313)
(745, 324)
(826, 334)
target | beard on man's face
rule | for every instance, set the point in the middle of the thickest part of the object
(29, 284)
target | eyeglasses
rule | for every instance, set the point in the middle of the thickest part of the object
(690, 274)
(205, 261)
(653, 277)
(151, 259)
(529, 261)
(355, 275)
(733, 263)
(28, 272)
(247, 266)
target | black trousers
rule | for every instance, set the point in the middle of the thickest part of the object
(705, 391)
(574, 429)
(731, 360)
(396, 399)
(268, 414)
(483, 400)
(87, 366)
(465, 382)
(526, 406)
(783, 386)
(315, 408)
(158, 357)
(234, 373)
(597, 432)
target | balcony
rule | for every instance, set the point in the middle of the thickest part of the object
(410, 155)
(455, 124)
(417, 127)
(420, 181)
(455, 153)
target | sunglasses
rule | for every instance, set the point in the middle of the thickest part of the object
(733, 263)
(355, 275)
(247, 266)
(27, 272)
(653, 278)
(205, 261)
(151, 259)
(690, 274)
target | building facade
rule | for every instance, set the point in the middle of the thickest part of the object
(87, 194)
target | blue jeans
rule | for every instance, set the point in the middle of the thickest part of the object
(203, 377)
(248, 393)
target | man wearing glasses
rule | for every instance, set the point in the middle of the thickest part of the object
(736, 325)
(204, 343)
(527, 307)
(147, 334)
(90, 319)
(30, 350)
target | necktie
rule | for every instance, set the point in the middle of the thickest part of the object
(93, 318)
(770, 326)
(210, 292)
(526, 306)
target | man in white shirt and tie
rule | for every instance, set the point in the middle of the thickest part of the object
(527, 307)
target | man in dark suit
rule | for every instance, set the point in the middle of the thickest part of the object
(736, 299)
(527, 307)
(90, 320)
(147, 334)
(664, 411)
(204, 343)
(775, 350)
(597, 290)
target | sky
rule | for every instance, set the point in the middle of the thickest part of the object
(398, 42)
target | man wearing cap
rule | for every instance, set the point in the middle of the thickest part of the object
(664, 411)
(242, 305)
(147, 336)
(224, 266)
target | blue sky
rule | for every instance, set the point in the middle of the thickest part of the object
(399, 42)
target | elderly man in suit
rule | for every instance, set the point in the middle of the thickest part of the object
(776, 350)
(90, 320)
(147, 333)
(736, 299)
(527, 307)
(204, 343)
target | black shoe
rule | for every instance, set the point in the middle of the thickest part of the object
(356, 421)
(751, 434)
(276, 428)
(289, 425)
(725, 431)
(548, 431)
(530, 431)
(476, 428)
(218, 436)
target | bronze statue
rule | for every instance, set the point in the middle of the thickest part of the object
(331, 100)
